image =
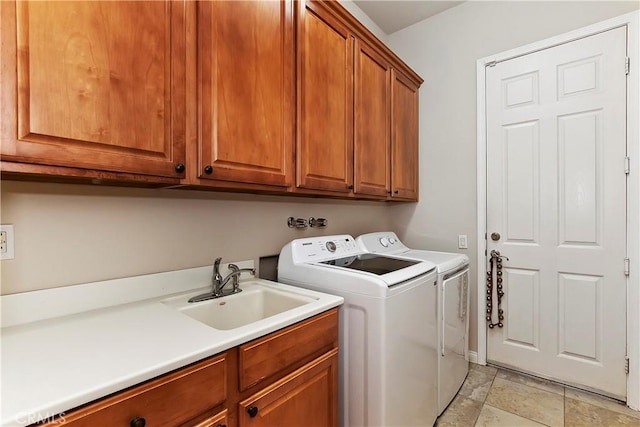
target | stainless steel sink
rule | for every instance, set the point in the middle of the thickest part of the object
(255, 303)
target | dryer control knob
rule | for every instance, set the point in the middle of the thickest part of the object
(392, 240)
(384, 242)
(331, 246)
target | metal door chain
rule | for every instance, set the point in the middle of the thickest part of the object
(495, 262)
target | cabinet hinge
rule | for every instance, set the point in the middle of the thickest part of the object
(491, 64)
(626, 266)
(626, 364)
(627, 65)
(627, 165)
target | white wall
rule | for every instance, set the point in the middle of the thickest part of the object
(364, 19)
(69, 234)
(443, 50)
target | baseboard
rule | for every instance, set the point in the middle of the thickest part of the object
(473, 357)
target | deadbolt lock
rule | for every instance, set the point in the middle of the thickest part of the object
(495, 236)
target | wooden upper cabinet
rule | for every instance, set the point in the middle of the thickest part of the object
(94, 85)
(279, 96)
(404, 138)
(372, 122)
(246, 93)
(325, 101)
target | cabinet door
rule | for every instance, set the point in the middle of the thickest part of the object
(372, 117)
(308, 397)
(404, 138)
(246, 96)
(325, 103)
(95, 85)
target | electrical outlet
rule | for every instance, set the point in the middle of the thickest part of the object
(6, 242)
(462, 241)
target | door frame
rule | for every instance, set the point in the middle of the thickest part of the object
(631, 21)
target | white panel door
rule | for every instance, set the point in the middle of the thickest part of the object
(556, 195)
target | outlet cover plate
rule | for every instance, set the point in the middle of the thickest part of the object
(7, 247)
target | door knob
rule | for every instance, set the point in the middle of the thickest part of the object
(138, 422)
(495, 236)
(252, 411)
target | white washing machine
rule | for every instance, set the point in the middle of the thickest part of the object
(387, 328)
(453, 308)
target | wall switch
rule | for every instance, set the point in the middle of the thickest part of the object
(462, 241)
(6, 242)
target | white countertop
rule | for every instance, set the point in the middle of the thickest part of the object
(60, 357)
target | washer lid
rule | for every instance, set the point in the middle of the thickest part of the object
(372, 263)
(445, 261)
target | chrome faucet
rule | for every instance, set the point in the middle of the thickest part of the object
(218, 282)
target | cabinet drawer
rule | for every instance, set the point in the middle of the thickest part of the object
(219, 420)
(166, 401)
(298, 343)
(307, 397)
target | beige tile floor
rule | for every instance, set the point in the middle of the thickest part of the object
(492, 397)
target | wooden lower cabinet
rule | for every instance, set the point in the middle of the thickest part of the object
(170, 400)
(265, 358)
(307, 397)
(219, 420)
(300, 389)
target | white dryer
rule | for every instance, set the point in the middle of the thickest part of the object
(387, 328)
(453, 308)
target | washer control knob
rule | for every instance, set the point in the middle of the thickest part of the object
(384, 242)
(392, 240)
(331, 246)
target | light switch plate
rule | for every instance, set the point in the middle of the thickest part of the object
(462, 241)
(6, 242)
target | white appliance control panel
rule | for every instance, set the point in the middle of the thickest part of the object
(383, 242)
(318, 249)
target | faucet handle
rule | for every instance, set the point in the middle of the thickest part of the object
(317, 222)
(216, 278)
(216, 266)
(234, 269)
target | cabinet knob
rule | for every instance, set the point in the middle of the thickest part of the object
(395, 192)
(252, 411)
(180, 167)
(138, 422)
(350, 187)
(208, 169)
(221, 425)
